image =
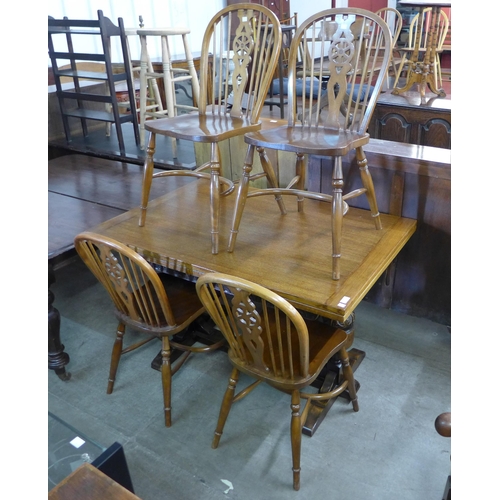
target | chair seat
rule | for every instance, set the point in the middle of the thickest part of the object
(323, 344)
(320, 141)
(202, 128)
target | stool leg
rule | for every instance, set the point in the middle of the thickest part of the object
(143, 93)
(169, 85)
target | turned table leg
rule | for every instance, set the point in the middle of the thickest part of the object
(58, 359)
(331, 379)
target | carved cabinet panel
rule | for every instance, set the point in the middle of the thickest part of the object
(405, 119)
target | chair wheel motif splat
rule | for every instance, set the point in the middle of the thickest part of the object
(239, 55)
(270, 341)
(158, 306)
(326, 117)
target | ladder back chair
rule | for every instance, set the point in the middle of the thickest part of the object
(422, 23)
(239, 55)
(159, 307)
(270, 341)
(352, 46)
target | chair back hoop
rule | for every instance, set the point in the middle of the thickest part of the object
(133, 285)
(424, 24)
(267, 336)
(239, 55)
(340, 56)
(394, 20)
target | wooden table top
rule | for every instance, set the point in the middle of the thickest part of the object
(289, 254)
(89, 483)
(85, 191)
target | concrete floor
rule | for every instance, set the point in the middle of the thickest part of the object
(389, 450)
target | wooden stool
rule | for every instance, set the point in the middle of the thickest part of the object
(153, 106)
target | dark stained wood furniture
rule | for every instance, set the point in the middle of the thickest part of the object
(89, 483)
(63, 37)
(289, 255)
(415, 182)
(84, 191)
(407, 119)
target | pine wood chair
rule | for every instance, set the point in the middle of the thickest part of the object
(239, 55)
(422, 23)
(159, 307)
(270, 341)
(354, 47)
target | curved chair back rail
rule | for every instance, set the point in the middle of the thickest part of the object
(338, 63)
(158, 306)
(270, 341)
(239, 55)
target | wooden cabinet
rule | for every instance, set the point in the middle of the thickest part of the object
(403, 118)
(413, 182)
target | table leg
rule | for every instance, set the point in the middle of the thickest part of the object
(330, 380)
(58, 359)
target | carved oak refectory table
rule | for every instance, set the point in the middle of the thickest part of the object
(289, 254)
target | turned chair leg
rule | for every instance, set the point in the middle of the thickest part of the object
(337, 215)
(166, 378)
(296, 437)
(225, 407)
(115, 356)
(367, 181)
(215, 196)
(270, 175)
(241, 198)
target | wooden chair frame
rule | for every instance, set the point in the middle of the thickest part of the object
(248, 37)
(158, 308)
(352, 46)
(270, 341)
